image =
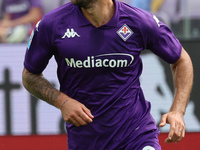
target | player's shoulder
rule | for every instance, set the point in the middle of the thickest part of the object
(131, 11)
(139, 17)
(60, 12)
(56, 16)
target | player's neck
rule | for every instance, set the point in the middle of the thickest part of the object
(100, 13)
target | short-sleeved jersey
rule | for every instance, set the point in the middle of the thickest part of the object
(100, 67)
(18, 8)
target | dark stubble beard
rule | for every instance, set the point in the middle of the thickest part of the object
(86, 4)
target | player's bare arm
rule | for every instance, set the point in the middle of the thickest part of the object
(40, 87)
(182, 72)
(73, 112)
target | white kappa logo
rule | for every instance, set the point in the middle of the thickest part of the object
(157, 20)
(70, 34)
(37, 26)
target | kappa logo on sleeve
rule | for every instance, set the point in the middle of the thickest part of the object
(157, 20)
(37, 26)
(125, 32)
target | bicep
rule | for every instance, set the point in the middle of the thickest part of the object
(184, 58)
(26, 72)
(28, 78)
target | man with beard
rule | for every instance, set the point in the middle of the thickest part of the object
(97, 46)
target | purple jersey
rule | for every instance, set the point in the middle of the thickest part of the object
(100, 67)
(18, 8)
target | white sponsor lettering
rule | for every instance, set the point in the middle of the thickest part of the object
(100, 61)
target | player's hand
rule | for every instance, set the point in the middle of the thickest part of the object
(177, 126)
(76, 113)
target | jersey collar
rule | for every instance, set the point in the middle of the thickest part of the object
(113, 22)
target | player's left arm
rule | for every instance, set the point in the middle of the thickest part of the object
(182, 71)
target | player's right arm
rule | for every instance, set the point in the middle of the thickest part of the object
(39, 51)
(72, 111)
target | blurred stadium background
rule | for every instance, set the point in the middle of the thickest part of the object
(28, 123)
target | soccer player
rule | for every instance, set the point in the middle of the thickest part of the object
(97, 46)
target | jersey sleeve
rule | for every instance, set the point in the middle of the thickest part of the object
(160, 39)
(40, 47)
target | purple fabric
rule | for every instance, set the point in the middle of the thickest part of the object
(100, 67)
(18, 8)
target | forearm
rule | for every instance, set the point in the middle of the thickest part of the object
(182, 72)
(42, 88)
(73, 111)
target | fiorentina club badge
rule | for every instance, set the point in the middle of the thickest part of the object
(125, 32)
